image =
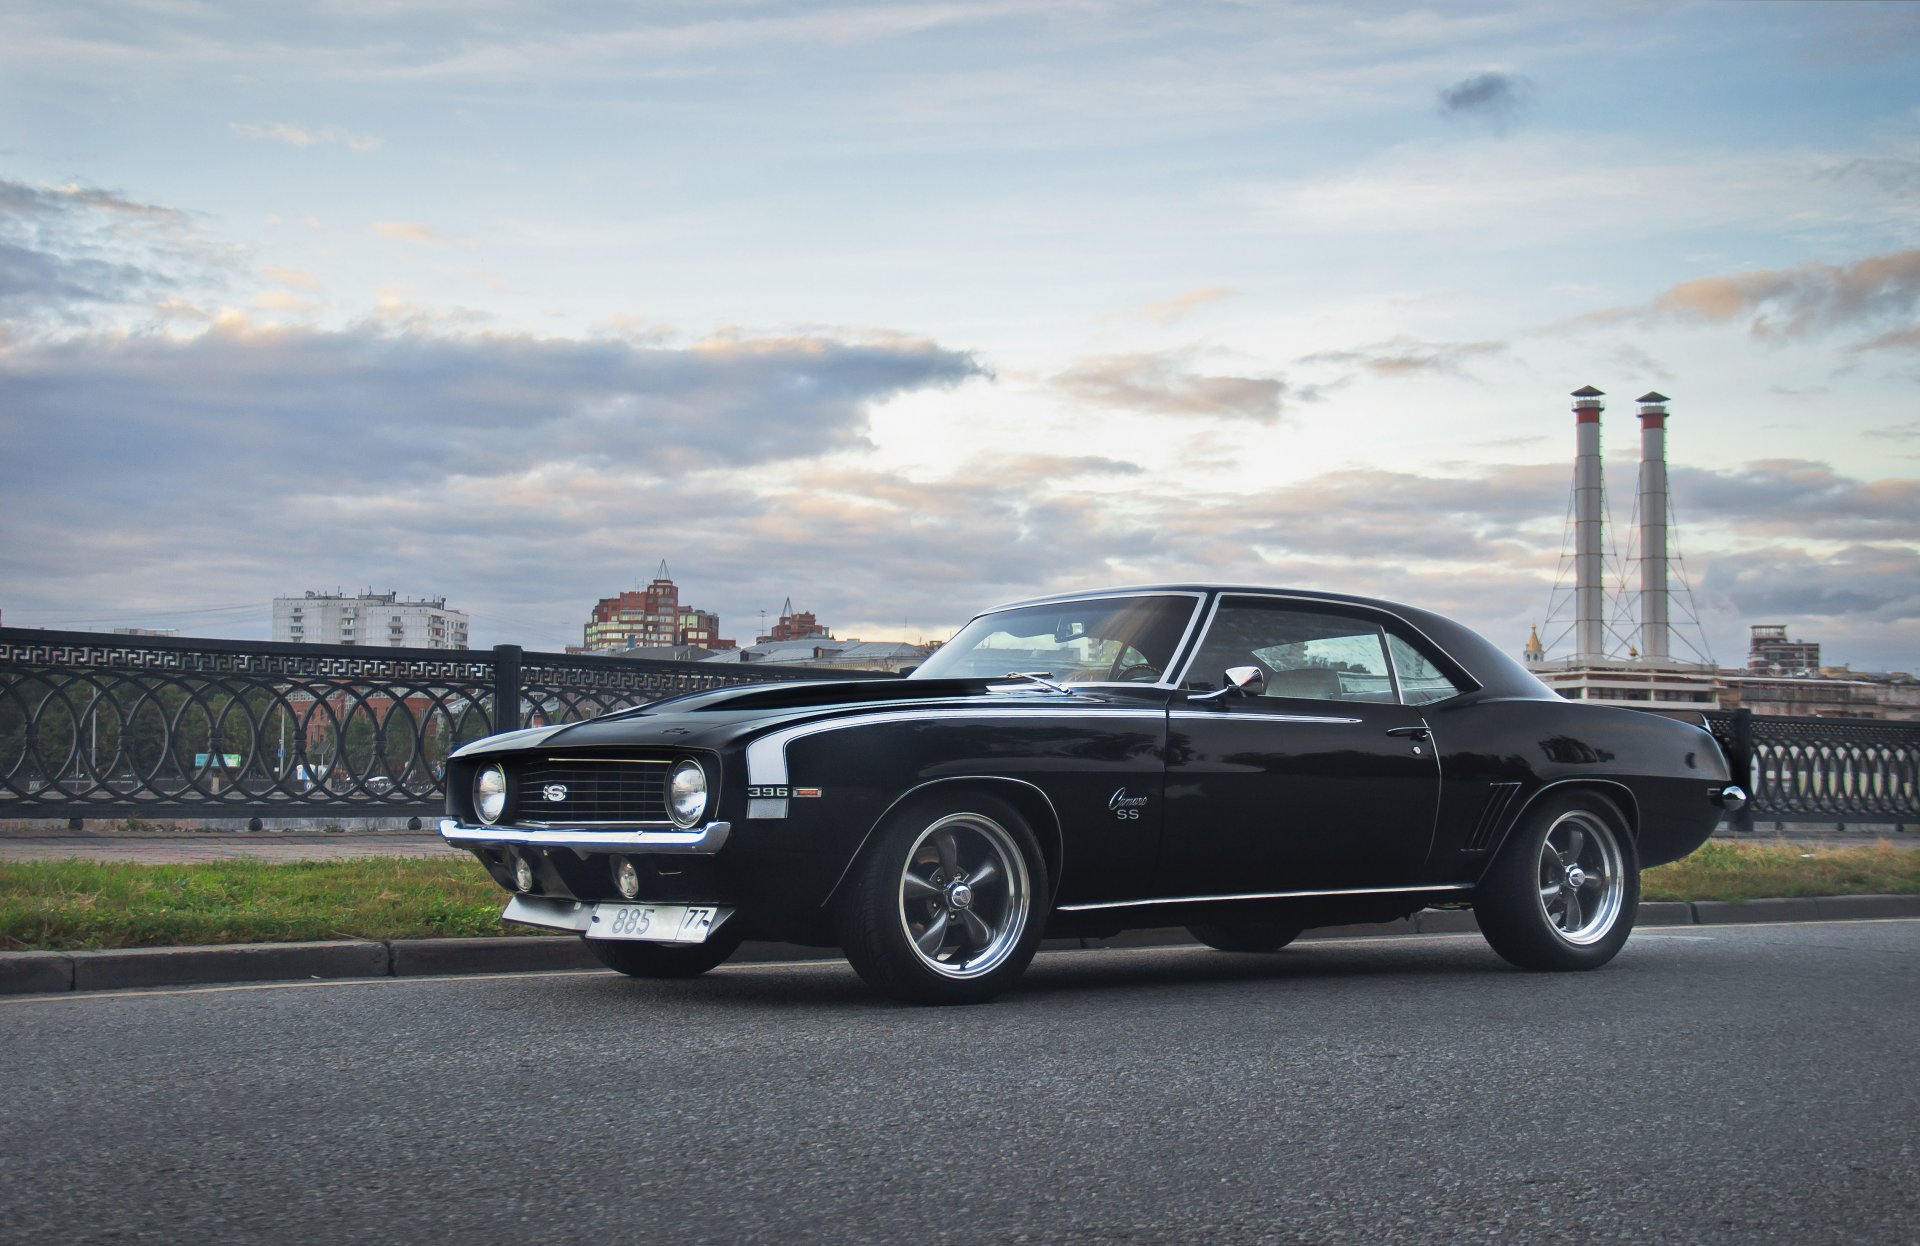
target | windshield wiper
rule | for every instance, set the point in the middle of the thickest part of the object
(1041, 678)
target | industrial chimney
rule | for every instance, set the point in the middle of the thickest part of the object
(1653, 526)
(1588, 590)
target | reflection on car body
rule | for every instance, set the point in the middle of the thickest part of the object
(1245, 762)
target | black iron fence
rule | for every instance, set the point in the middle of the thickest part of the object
(1837, 770)
(100, 726)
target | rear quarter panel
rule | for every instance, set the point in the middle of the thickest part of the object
(1500, 756)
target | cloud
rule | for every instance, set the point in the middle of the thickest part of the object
(295, 135)
(1494, 99)
(240, 401)
(1810, 296)
(281, 300)
(519, 474)
(1898, 339)
(1180, 306)
(1863, 584)
(66, 250)
(1898, 432)
(1801, 499)
(1166, 384)
(405, 231)
(298, 278)
(1406, 356)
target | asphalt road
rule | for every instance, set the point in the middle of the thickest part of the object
(1728, 1084)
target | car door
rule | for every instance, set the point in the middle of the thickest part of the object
(1325, 780)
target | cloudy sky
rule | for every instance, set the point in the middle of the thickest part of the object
(904, 309)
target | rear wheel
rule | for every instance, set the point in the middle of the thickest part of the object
(1564, 892)
(946, 905)
(663, 960)
(1245, 936)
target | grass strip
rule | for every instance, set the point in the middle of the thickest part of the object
(70, 905)
(1729, 870)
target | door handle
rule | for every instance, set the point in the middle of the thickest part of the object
(1412, 733)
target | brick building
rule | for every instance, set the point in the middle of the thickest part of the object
(652, 617)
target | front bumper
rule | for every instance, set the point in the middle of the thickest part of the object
(701, 841)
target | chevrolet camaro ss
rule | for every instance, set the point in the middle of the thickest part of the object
(1245, 762)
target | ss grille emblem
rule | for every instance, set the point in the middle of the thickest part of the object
(554, 792)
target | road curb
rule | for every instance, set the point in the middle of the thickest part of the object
(53, 973)
(235, 962)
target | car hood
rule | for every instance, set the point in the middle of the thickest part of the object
(723, 715)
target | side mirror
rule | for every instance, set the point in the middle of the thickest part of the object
(1243, 681)
(1248, 681)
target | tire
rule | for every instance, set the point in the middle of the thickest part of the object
(663, 960)
(947, 903)
(1245, 936)
(1564, 891)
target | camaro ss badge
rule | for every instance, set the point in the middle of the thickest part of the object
(554, 792)
(1124, 807)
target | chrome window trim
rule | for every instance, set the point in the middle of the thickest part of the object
(1219, 715)
(1263, 895)
(704, 840)
(767, 756)
(1335, 607)
(1193, 617)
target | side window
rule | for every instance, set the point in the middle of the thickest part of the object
(1421, 682)
(1304, 654)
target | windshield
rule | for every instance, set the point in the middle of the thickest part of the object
(1099, 640)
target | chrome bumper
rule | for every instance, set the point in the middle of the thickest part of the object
(554, 914)
(703, 840)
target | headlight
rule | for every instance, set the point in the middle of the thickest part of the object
(490, 793)
(687, 793)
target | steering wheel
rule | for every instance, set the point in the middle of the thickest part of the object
(1135, 672)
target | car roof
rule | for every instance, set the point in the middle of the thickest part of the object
(1497, 672)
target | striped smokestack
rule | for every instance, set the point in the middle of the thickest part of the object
(1653, 526)
(1589, 596)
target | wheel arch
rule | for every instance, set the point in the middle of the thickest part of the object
(1620, 794)
(1028, 800)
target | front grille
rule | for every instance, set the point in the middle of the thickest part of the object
(613, 792)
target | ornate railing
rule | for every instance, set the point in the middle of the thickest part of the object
(1822, 769)
(103, 726)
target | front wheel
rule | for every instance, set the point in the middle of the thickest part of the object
(663, 960)
(947, 904)
(1564, 892)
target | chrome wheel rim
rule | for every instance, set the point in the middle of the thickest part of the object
(1583, 879)
(964, 896)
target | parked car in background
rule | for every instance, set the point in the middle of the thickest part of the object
(1246, 762)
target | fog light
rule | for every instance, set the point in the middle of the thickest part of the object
(626, 878)
(523, 874)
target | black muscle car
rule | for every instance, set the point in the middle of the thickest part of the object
(1244, 762)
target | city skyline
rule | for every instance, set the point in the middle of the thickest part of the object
(939, 306)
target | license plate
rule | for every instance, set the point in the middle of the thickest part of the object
(655, 923)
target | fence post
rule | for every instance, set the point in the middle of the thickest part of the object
(506, 687)
(1743, 767)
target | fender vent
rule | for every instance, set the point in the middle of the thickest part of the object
(1494, 816)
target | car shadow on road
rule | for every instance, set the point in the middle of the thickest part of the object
(834, 985)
